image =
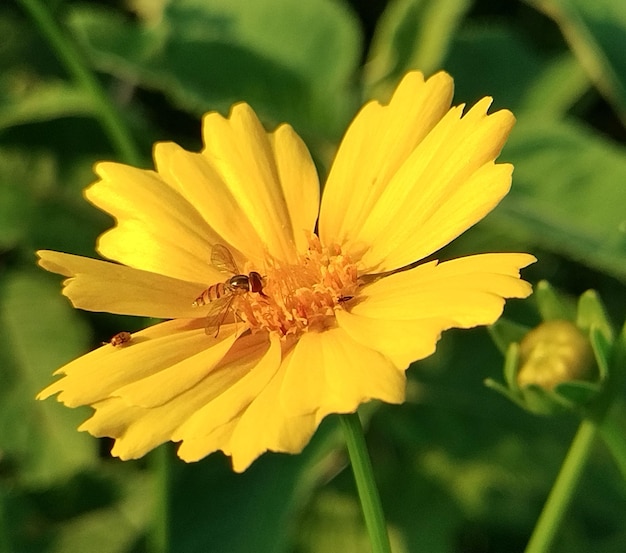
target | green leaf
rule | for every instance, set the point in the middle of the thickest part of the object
(505, 332)
(577, 392)
(257, 507)
(543, 402)
(24, 103)
(552, 305)
(288, 59)
(334, 522)
(41, 202)
(411, 34)
(555, 89)
(41, 332)
(619, 356)
(511, 367)
(498, 61)
(569, 193)
(601, 351)
(493, 61)
(592, 314)
(115, 528)
(596, 33)
(22, 176)
(503, 390)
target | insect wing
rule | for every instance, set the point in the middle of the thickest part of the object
(223, 260)
(217, 314)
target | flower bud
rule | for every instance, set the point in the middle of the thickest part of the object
(555, 352)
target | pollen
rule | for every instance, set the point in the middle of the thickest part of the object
(301, 297)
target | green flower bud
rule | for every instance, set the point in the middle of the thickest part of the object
(555, 352)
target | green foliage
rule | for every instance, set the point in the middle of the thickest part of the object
(596, 32)
(460, 469)
(585, 170)
(209, 55)
(41, 332)
(411, 34)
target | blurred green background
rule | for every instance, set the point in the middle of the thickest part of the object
(460, 469)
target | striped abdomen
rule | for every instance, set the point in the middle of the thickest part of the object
(212, 293)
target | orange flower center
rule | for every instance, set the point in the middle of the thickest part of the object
(301, 297)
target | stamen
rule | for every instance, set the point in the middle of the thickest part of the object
(301, 297)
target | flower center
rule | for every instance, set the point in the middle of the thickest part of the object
(303, 296)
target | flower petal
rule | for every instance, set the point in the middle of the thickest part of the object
(248, 419)
(157, 229)
(403, 315)
(468, 290)
(300, 183)
(102, 286)
(434, 186)
(161, 387)
(449, 183)
(275, 420)
(137, 429)
(329, 372)
(195, 178)
(264, 426)
(149, 352)
(271, 177)
(401, 341)
(257, 359)
(374, 147)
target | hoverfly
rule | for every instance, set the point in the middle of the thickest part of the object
(120, 339)
(222, 294)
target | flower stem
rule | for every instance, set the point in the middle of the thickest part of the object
(70, 55)
(614, 437)
(159, 536)
(562, 492)
(366, 486)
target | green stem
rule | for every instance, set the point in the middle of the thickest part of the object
(612, 432)
(69, 53)
(366, 486)
(5, 535)
(159, 536)
(561, 494)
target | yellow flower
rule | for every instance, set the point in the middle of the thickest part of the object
(250, 370)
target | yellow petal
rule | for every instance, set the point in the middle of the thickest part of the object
(198, 181)
(401, 341)
(267, 190)
(298, 178)
(432, 188)
(110, 420)
(256, 359)
(137, 429)
(264, 426)
(374, 147)
(246, 420)
(217, 439)
(148, 353)
(449, 183)
(160, 387)
(96, 285)
(329, 372)
(469, 291)
(157, 229)
(403, 315)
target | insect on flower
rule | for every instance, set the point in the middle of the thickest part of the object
(120, 339)
(222, 294)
